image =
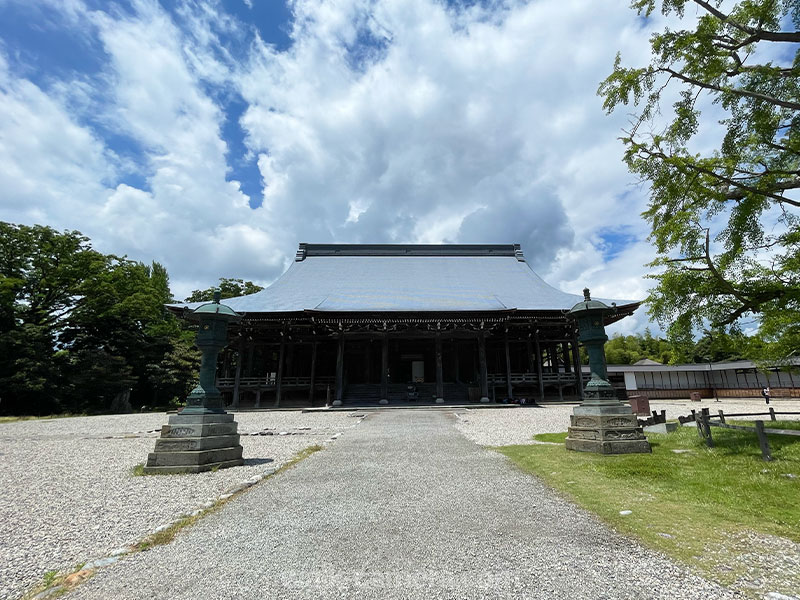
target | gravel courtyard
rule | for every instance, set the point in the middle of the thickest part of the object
(400, 507)
(505, 426)
(68, 494)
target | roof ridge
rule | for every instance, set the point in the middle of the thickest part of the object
(305, 250)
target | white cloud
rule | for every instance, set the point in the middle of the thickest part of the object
(471, 125)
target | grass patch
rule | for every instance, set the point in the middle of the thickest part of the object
(695, 505)
(302, 455)
(59, 584)
(550, 437)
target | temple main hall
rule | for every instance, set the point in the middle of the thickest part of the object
(398, 324)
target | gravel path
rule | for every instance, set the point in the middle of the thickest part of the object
(400, 507)
(68, 495)
(506, 426)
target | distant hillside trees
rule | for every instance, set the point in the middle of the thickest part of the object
(628, 349)
(228, 288)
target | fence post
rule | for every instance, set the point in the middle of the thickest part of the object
(721, 416)
(707, 427)
(766, 454)
(772, 413)
(703, 428)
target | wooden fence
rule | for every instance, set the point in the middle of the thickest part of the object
(704, 425)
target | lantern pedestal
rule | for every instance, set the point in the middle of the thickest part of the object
(202, 436)
(191, 443)
(602, 423)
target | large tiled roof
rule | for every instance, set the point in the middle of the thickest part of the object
(407, 278)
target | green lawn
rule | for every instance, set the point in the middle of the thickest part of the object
(696, 505)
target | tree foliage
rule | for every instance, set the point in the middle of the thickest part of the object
(724, 221)
(78, 327)
(228, 288)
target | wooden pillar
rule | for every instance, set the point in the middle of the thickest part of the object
(439, 375)
(576, 361)
(368, 362)
(226, 362)
(384, 369)
(279, 378)
(539, 367)
(339, 370)
(457, 362)
(313, 381)
(238, 376)
(482, 367)
(509, 387)
(250, 350)
(565, 354)
(529, 351)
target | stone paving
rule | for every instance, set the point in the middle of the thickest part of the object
(68, 495)
(402, 506)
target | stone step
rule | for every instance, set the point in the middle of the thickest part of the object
(209, 442)
(193, 457)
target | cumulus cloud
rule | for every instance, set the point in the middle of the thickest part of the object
(383, 121)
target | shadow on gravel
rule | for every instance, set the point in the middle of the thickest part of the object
(250, 462)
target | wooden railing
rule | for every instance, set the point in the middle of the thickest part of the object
(532, 378)
(704, 425)
(267, 382)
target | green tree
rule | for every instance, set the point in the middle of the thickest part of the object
(228, 288)
(119, 330)
(78, 327)
(725, 222)
(40, 275)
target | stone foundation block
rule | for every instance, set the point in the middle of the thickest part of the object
(198, 430)
(182, 444)
(604, 421)
(181, 419)
(609, 447)
(193, 457)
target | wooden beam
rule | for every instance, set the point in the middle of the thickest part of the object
(576, 360)
(311, 386)
(539, 367)
(339, 371)
(439, 375)
(279, 378)
(509, 387)
(384, 399)
(238, 377)
(482, 362)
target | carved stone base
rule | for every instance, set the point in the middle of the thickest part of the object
(191, 443)
(606, 434)
(610, 447)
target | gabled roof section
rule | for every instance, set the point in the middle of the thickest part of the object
(408, 278)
